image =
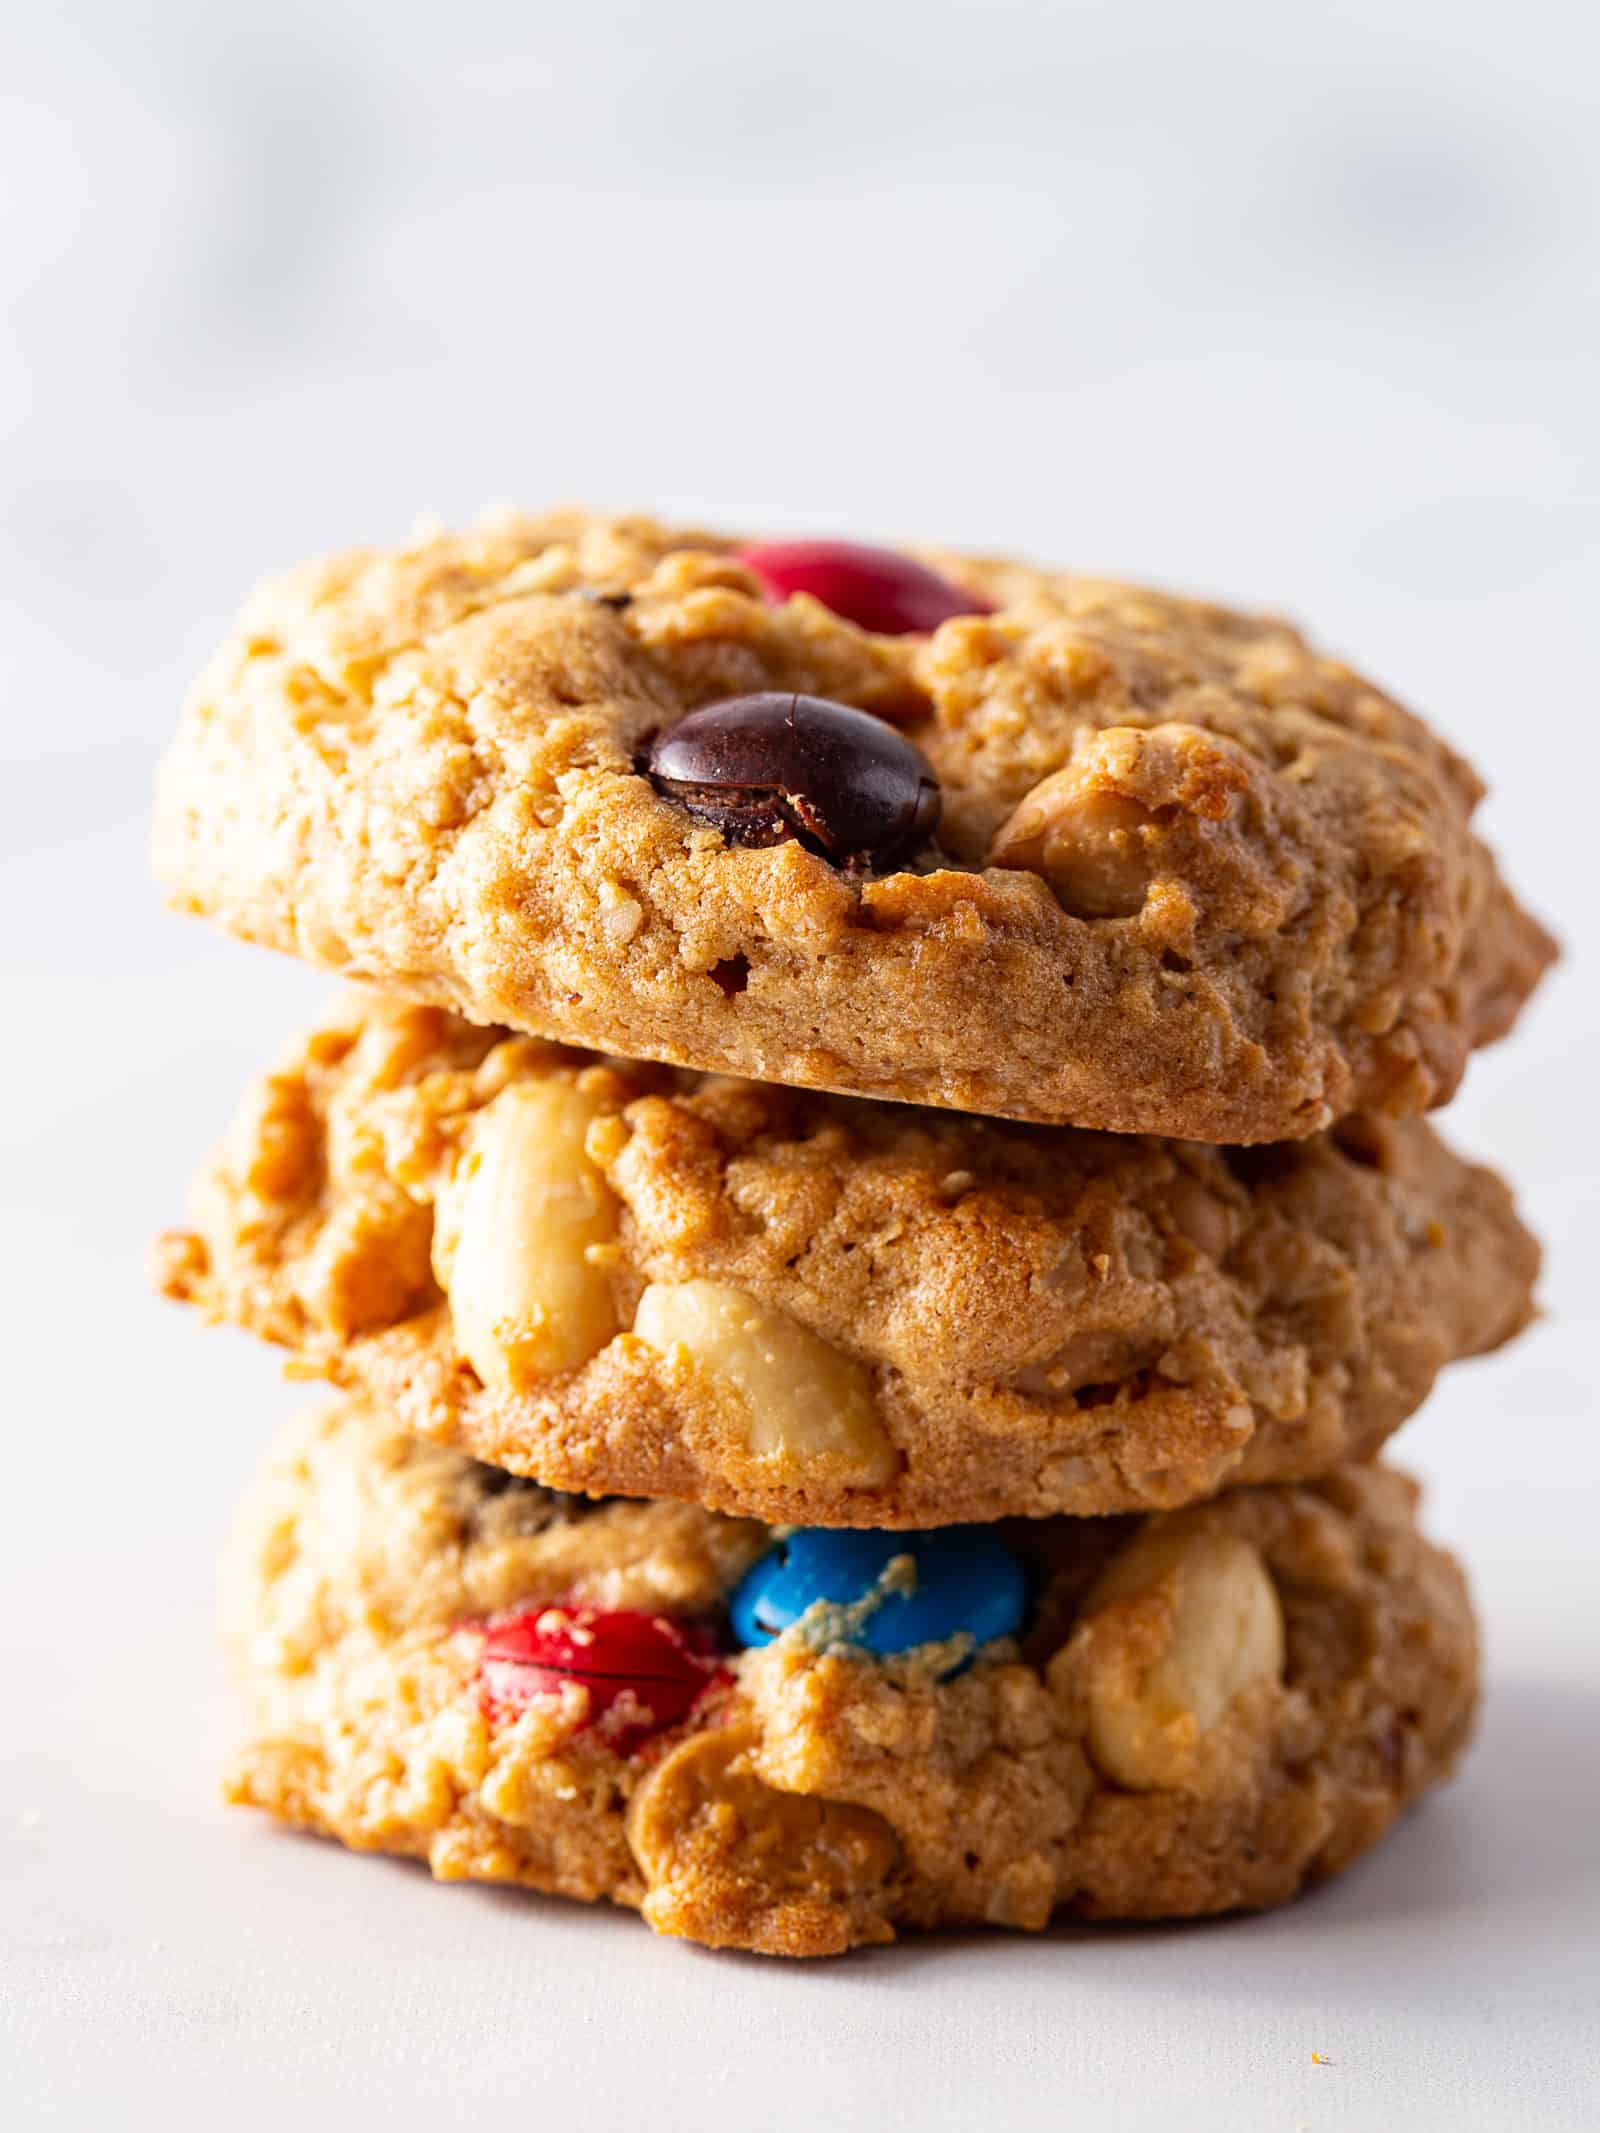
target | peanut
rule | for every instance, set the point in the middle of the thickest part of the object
(716, 1844)
(1186, 1624)
(798, 1399)
(1085, 840)
(519, 1235)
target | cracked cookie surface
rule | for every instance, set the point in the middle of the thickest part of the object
(621, 1278)
(1192, 877)
(1133, 1754)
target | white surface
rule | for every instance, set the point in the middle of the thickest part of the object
(1294, 304)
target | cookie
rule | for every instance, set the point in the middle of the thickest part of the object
(1095, 856)
(1198, 1712)
(632, 1279)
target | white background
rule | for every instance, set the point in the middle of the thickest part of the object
(1294, 304)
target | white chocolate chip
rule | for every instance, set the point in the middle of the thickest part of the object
(520, 1235)
(799, 1400)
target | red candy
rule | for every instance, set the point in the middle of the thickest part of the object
(872, 587)
(643, 1672)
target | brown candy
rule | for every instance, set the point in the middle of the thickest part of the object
(767, 767)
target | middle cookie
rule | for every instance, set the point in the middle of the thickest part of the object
(819, 1310)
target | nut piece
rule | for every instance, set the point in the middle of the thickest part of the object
(733, 1862)
(801, 1401)
(1085, 840)
(512, 1236)
(1133, 801)
(1182, 1625)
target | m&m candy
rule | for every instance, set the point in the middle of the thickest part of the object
(875, 588)
(958, 1579)
(643, 1673)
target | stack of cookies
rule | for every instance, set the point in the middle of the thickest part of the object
(869, 1227)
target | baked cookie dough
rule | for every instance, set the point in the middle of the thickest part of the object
(1187, 875)
(1201, 1712)
(632, 1279)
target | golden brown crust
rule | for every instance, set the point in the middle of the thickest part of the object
(418, 767)
(1050, 1321)
(824, 1798)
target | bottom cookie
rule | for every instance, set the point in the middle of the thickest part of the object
(1195, 1712)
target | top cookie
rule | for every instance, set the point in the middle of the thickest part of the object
(1148, 865)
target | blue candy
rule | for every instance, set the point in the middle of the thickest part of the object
(966, 1579)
